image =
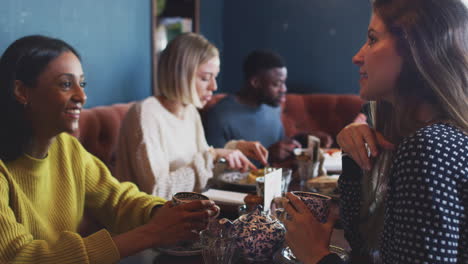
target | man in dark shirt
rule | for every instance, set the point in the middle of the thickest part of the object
(254, 113)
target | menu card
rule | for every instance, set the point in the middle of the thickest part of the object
(272, 188)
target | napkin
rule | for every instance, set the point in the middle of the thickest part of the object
(226, 197)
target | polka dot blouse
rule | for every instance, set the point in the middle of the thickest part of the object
(426, 205)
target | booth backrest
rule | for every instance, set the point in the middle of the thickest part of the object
(302, 113)
(325, 112)
(99, 130)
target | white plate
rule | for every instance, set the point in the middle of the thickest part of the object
(236, 178)
(285, 255)
(181, 251)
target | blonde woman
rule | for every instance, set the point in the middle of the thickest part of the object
(404, 187)
(162, 146)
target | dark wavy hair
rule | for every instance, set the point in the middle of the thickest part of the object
(24, 60)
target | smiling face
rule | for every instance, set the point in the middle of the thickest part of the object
(54, 104)
(205, 79)
(271, 85)
(379, 63)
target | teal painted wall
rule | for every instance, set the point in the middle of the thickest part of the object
(112, 36)
(211, 21)
(317, 38)
(211, 26)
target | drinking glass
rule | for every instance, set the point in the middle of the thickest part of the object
(260, 186)
(277, 208)
(216, 247)
(285, 180)
(306, 170)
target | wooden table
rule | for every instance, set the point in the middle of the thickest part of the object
(228, 211)
(153, 257)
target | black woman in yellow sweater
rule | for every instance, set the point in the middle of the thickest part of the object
(47, 178)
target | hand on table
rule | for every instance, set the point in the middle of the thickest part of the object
(308, 239)
(283, 149)
(172, 224)
(353, 139)
(254, 150)
(235, 159)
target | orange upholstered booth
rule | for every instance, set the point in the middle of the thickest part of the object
(302, 113)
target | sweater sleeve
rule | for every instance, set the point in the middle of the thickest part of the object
(231, 144)
(119, 206)
(349, 185)
(26, 238)
(17, 244)
(143, 160)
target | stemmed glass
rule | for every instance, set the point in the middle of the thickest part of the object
(218, 245)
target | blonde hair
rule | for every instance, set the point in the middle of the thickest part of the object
(432, 39)
(178, 66)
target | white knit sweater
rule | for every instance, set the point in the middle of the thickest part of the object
(161, 153)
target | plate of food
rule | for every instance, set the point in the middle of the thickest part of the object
(241, 179)
(326, 184)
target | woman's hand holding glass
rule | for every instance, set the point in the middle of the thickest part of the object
(235, 159)
(254, 150)
(362, 143)
(171, 224)
(306, 236)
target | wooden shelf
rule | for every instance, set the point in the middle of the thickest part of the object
(174, 8)
(183, 8)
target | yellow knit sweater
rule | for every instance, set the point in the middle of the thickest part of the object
(42, 203)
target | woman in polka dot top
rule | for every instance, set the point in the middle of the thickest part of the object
(404, 187)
